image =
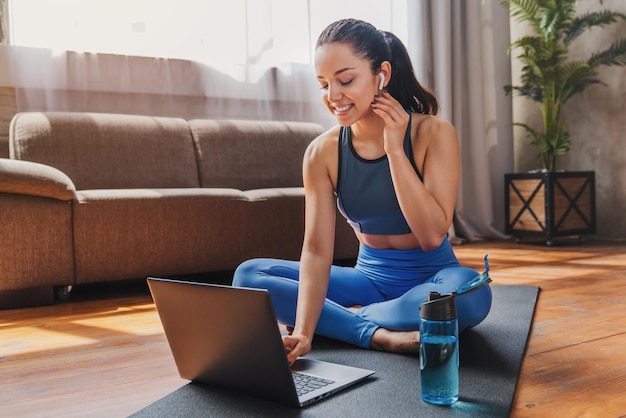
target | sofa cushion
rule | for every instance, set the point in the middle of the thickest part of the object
(121, 234)
(106, 151)
(251, 154)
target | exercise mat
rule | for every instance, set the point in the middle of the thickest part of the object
(490, 357)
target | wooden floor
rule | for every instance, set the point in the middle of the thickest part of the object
(104, 353)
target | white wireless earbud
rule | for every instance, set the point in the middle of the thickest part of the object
(382, 81)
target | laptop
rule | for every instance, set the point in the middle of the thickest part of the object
(228, 337)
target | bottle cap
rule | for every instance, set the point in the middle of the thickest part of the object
(477, 282)
(439, 307)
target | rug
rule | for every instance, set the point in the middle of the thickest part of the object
(490, 358)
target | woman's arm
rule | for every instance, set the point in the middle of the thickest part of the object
(428, 206)
(317, 248)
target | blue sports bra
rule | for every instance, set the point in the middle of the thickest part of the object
(365, 192)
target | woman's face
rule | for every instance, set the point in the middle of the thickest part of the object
(347, 83)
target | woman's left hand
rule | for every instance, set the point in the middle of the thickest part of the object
(396, 121)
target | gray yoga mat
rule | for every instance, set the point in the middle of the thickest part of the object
(490, 356)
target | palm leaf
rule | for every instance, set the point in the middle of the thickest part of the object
(573, 78)
(530, 131)
(588, 20)
(613, 55)
(523, 10)
(533, 93)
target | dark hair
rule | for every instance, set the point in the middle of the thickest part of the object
(377, 46)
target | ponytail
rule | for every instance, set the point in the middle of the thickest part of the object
(403, 84)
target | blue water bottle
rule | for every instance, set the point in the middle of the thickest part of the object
(439, 350)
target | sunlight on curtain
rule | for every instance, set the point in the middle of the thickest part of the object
(235, 31)
(189, 58)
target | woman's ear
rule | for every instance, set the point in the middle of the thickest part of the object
(385, 74)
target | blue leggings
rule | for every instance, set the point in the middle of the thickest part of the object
(390, 285)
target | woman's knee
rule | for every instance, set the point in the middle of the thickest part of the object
(452, 277)
(247, 273)
(473, 307)
(257, 271)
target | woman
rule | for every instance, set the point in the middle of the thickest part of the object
(392, 168)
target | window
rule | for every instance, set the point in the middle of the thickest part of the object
(256, 32)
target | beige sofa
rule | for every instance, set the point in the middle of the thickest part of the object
(88, 197)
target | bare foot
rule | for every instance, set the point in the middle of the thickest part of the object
(395, 341)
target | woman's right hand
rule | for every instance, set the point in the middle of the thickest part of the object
(396, 121)
(296, 345)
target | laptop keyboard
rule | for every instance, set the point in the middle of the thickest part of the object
(306, 383)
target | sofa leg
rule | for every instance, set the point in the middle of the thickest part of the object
(63, 292)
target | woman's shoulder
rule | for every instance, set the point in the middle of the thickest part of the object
(330, 135)
(431, 123)
(429, 127)
(325, 143)
(321, 159)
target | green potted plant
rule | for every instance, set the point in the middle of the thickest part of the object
(551, 203)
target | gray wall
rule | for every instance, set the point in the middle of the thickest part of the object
(597, 123)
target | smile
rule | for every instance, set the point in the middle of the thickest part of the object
(343, 108)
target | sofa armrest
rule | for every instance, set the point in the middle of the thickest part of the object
(34, 179)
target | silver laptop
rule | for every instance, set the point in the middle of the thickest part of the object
(229, 337)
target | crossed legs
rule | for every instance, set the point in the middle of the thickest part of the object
(379, 322)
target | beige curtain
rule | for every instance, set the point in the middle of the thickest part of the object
(460, 52)
(4, 22)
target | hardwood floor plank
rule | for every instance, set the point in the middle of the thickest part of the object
(105, 353)
(584, 380)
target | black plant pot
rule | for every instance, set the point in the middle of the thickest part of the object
(550, 205)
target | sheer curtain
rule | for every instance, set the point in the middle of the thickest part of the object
(458, 48)
(110, 83)
(244, 59)
(460, 52)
